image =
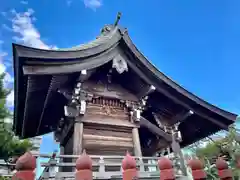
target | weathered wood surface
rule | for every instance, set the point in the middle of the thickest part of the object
(111, 140)
(78, 138)
(107, 126)
(114, 91)
(106, 138)
(110, 112)
(110, 131)
(106, 110)
(63, 133)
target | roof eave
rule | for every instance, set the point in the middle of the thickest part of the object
(16, 75)
(160, 77)
(99, 51)
(36, 53)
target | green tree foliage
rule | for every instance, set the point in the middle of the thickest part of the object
(5, 178)
(227, 147)
(10, 146)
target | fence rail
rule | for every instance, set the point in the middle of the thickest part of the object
(103, 167)
(86, 167)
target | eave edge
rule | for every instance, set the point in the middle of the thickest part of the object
(160, 76)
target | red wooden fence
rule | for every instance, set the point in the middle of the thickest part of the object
(26, 165)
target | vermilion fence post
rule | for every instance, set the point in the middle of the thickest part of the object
(224, 172)
(197, 169)
(84, 167)
(129, 168)
(25, 167)
(166, 169)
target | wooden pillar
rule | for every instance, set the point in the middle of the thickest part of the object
(78, 138)
(136, 142)
(61, 150)
(60, 169)
(179, 155)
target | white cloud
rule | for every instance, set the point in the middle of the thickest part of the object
(69, 2)
(26, 32)
(93, 4)
(24, 2)
(2, 68)
(8, 78)
(10, 99)
(3, 54)
(13, 11)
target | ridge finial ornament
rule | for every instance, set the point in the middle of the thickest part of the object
(118, 18)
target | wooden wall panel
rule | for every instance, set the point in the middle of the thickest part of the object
(107, 127)
(107, 141)
(107, 111)
(110, 132)
(112, 90)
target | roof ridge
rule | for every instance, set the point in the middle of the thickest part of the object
(107, 33)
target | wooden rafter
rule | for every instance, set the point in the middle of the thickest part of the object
(154, 129)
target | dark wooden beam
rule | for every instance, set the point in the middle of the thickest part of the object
(146, 91)
(185, 115)
(162, 90)
(24, 114)
(180, 117)
(49, 93)
(56, 82)
(66, 133)
(154, 129)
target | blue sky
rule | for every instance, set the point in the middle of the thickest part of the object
(196, 43)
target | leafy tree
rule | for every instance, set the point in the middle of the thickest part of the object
(5, 178)
(10, 146)
(227, 147)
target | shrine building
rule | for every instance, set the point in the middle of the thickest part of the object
(106, 97)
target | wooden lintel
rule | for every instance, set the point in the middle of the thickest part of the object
(154, 129)
(109, 122)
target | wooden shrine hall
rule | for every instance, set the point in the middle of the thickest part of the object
(107, 98)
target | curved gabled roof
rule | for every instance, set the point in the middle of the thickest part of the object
(102, 39)
(160, 76)
(32, 61)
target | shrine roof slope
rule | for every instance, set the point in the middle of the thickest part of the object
(31, 62)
